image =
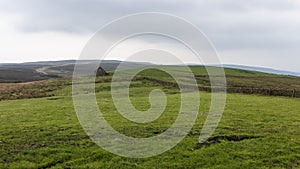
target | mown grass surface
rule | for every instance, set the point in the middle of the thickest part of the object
(255, 132)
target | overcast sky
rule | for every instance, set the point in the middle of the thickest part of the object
(249, 32)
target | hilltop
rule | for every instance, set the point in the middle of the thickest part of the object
(238, 80)
(35, 71)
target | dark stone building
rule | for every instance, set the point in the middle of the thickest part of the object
(101, 72)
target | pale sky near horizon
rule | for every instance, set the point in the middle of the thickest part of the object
(255, 33)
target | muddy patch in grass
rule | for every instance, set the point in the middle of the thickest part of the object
(219, 139)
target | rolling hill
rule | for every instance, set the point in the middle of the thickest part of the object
(34, 71)
(255, 131)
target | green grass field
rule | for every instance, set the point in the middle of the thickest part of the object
(255, 131)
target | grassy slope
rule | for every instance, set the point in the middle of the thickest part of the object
(45, 132)
(235, 78)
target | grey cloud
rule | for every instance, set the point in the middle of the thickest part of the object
(89, 15)
(77, 15)
(253, 23)
(270, 25)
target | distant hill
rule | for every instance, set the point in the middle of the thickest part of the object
(260, 69)
(33, 71)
